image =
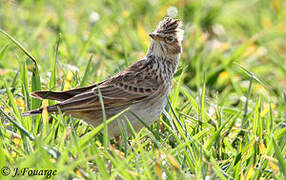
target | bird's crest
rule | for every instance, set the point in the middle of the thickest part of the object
(169, 25)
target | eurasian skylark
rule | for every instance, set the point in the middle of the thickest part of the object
(143, 87)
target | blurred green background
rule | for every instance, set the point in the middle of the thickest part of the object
(218, 34)
(227, 44)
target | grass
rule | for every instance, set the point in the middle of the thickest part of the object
(226, 114)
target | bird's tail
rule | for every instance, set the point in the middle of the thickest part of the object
(50, 109)
(61, 96)
(58, 96)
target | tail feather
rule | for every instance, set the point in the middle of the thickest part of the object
(58, 96)
(61, 96)
(32, 112)
(50, 109)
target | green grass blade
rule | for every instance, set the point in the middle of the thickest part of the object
(86, 72)
(192, 100)
(101, 166)
(217, 134)
(3, 50)
(178, 87)
(130, 126)
(36, 80)
(250, 74)
(202, 103)
(25, 89)
(246, 104)
(181, 128)
(20, 46)
(281, 160)
(13, 102)
(96, 130)
(105, 129)
(54, 64)
(14, 82)
(124, 134)
(36, 86)
(279, 134)
(21, 128)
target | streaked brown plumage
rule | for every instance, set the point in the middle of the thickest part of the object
(143, 87)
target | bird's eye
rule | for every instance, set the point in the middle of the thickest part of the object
(169, 39)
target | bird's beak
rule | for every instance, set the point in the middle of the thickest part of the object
(155, 36)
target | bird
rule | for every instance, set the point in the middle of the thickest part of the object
(143, 87)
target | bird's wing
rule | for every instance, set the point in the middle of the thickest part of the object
(132, 85)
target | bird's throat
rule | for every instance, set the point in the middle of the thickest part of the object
(156, 49)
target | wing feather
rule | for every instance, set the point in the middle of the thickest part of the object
(133, 85)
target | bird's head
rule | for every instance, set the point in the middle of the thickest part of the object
(166, 39)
